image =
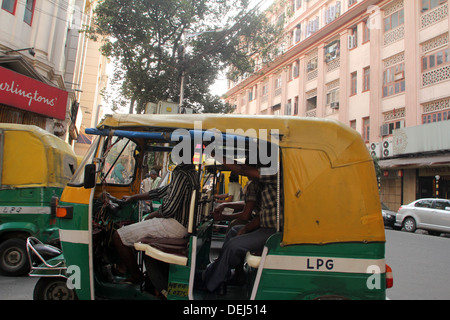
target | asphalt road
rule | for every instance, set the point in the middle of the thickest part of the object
(420, 266)
(17, 288)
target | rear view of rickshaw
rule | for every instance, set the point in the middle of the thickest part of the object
(330, 242)
(34, 167)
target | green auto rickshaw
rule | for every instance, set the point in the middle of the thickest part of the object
(34, 167)
(331, 244)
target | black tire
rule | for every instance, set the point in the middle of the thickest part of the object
(53, 288)
(14, 258)
(410, 225)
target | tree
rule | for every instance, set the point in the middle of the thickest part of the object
(152, 42)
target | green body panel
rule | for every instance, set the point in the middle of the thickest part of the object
(13, 218)
(77, 254)
(288, 285)
(80, 220)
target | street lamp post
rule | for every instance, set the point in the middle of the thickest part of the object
(183, 73)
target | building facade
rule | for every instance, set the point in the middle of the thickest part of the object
(381, 67)
(43, 60)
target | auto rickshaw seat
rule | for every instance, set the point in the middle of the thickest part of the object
(253, 259)
(46, 251)
(170, 250)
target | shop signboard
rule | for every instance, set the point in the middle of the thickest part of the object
(424, 138)
(25, 93)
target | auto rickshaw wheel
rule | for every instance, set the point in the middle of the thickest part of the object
(14, 258)
(409, 224)
(53, 288)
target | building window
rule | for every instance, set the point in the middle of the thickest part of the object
(431, 4)
(353, 38)
(312, 26)
(294, 70)
(366, 31)
(366, 83)
(9, 5)
(437, 59)
(387, 129)
(354, 84)
(312, 64)
(265, 89)
(436, 117)
(288, 108)
(296, 106)
(332, 12)
(394, 20)
(353, 124)
(298, 33)
(332, 98)
(394, 80)
(332, 51)
(278, 84)
(366, 129)
(29, 11)
(250, 95)
(311, 103)
(351, 2)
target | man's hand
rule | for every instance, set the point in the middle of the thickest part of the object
(126, 198)
(217, 213)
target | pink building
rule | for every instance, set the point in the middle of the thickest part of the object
(381, 67)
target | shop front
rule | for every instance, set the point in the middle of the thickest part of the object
(420, 167)
(27, 98)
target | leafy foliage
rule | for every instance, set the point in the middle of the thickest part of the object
(156, 41)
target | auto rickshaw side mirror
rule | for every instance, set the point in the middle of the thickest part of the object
(89, 176)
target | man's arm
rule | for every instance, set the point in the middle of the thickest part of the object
(245, 214)
(153, 194)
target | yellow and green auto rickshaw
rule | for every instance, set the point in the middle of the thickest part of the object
(34, 167)
(330, 246)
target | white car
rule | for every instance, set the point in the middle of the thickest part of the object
(432, 215)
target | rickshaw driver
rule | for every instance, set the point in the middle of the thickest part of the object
(169, 221)
(250, 237)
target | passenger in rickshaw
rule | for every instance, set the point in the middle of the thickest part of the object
(169, 221)
(249, 237)
(234, 191)
(242, 210)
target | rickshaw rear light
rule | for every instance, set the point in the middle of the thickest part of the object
(64, 212)
(389, 277)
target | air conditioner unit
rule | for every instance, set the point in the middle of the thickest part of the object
(375, 149)
(334, 105)
(166, 107)
(384, 130)
(387, 148)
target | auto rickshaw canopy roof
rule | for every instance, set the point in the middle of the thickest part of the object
(33, 157)
(330, 192)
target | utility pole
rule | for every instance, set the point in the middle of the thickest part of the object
(182, 58)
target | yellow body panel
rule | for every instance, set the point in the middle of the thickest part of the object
(78, 195)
